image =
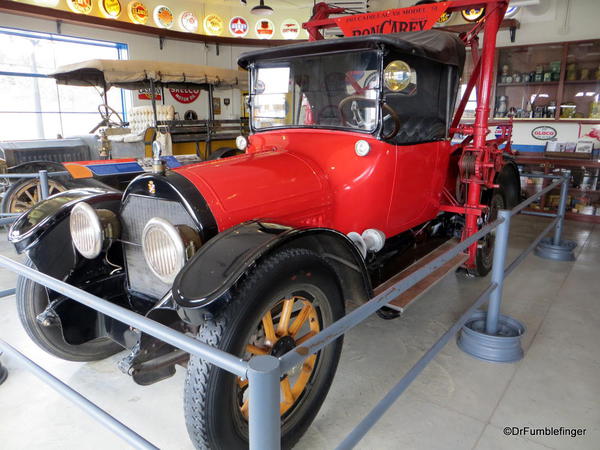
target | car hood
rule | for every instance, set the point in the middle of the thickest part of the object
(274, 185)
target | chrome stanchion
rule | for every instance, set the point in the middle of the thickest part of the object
(265, 422)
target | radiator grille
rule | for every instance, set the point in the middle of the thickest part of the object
(137, 211)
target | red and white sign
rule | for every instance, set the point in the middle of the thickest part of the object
(543, 133)
(188, 21)
(290, 29)
(145, 94)
(185, 95)
(238, 26)
(416, 18)
(265, 29)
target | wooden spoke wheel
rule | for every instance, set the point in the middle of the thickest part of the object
(24, 194)
(289, 297)
(290, 323)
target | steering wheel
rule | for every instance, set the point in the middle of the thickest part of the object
(357, 118)
(106, 112)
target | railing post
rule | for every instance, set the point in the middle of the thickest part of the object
(264, 417)
(44, 188)
(556, 248)
(492, 336)
(500, 248)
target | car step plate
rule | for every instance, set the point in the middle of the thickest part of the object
(401, 302)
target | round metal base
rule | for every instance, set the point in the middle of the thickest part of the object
(505, 346)
(3, 373)
(562, 252)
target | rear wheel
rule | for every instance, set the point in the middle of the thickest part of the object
(224, 152)
(485, 246)
(32, 300)
(24, 194)
(289, 298)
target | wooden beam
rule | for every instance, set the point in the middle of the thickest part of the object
(40, 12)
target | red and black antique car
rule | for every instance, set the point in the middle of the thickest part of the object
(350, 158)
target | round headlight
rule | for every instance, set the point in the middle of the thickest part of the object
(362, 148)
(166, 247)
(241, 142)
(397, 76)
(92, 229)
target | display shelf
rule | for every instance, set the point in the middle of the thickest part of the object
(560, 162)
(541, 83)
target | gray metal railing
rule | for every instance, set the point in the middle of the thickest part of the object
(264, 372)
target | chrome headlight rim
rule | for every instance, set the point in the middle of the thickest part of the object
(172, 234)
(93, 247)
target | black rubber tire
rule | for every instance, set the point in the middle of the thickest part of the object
(224, 152)
(211, 412)
(32, 299)
(485, 255)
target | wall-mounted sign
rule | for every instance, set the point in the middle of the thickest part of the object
(543, 133)
(146, 94)
(398, 20)
(290, 29)
(80, 6)
(137, 12)
(213, 25)
(163, 16)
(185, 95)
(264, 29)
(238, 26)
(445, 18)
(188, 21)
(473, 14)
(110, 8)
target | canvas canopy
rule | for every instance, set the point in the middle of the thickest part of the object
(133, 74)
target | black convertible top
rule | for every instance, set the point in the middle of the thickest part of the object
(440, 46)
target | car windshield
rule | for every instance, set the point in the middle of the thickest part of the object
(337, 90)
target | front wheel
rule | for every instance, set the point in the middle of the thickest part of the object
(289, 298)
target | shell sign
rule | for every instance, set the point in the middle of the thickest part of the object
(265, 29)
(110, 8)
(238, 26)
(213, 25)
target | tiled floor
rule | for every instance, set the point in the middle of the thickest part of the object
(457, 403)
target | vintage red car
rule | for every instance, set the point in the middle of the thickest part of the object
(349, 158)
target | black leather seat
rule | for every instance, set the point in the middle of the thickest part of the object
(414, 130)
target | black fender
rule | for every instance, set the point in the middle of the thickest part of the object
(510, 182)
(43, 231)
(208, 280)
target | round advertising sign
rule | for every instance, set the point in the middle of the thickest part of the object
(511, 11)
(185, 95)
(543, 133)
(163, 16)
(213, 25)
(290, 29)
(473, 14)
(265, 29)
(188, 21)
(80, 6)
(110, 8)
(238, 26)
(138, 13)
(445, 18)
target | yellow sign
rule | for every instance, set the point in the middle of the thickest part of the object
(445, 17)
(473, 14)
(213, 25)
(110, 8)
(163, 16)
(80, 6)
(138, 13)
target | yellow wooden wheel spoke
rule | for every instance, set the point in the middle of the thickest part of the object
(244, 409)
(305, 338)
(286, 314)
(242, 383)
(31, 197)
(300, 319)
(304, 376)
(267, 322)
(256, 350)
(288, 396)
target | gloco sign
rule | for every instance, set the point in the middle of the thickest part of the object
(543, 133)
(185, 95)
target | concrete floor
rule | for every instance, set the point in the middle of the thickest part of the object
(458, 402)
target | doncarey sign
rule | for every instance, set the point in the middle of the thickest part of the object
(417, 18)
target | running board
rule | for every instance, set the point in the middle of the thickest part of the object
(401, 302)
